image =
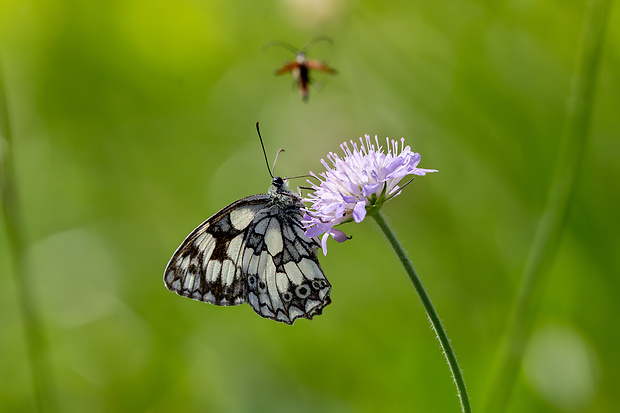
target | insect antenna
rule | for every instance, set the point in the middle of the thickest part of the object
(273, 167)
(264, 152)
(281, 44)
(314, 41)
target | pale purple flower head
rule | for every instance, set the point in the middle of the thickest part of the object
(358, 183)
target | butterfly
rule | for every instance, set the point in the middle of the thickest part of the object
(255, 251)
(301, 66)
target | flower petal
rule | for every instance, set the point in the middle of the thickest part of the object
(338, 235)
(422, 172)
(359, 211)
(371, 188)
(349, 198)
(324, 243)
(314, 231)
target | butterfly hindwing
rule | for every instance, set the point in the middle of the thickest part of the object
(254, 251)
(284, 278)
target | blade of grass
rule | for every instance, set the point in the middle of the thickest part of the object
(33, 331)
(553, 220)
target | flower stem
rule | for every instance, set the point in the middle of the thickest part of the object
(34, 337)
(552, 222)
(430, 310)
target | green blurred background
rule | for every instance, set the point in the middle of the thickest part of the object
(133, 121)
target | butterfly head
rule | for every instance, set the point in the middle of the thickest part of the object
(280, 192)
(279, 184)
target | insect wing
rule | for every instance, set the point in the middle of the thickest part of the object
(284, 278)
(253, 250)
(320, 66)
(206, 267)
(288, 67)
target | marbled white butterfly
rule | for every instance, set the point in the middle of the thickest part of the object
(255, 251)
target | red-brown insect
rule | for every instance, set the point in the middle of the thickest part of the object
(301, 66)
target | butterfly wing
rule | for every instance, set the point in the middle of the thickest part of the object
(253, 250)
(206, 266)
(284, 278)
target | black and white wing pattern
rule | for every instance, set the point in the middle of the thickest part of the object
(253, 251)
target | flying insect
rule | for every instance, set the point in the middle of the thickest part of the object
(300, 67)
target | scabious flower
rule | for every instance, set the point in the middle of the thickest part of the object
(357, 185)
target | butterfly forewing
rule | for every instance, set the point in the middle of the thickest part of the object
(253, 250)
(204, 266)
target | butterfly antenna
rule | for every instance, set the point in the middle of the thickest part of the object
(273, 167)
(264, 152)
(315, 41)
(281, 44)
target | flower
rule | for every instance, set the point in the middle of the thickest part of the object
(357, 185)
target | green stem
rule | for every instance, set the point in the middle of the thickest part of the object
(430, 310)
(34, 337)
(553, 220)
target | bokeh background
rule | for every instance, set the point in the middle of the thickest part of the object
(133, 121)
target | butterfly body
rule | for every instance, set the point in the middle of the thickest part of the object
(255, 251)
